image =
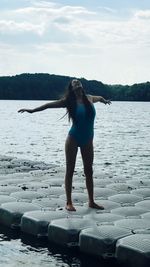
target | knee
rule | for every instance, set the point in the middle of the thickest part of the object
(88, 170)
(69, 171)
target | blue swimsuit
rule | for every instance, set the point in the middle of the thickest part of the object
(82, 129)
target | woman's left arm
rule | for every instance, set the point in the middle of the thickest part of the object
(95, 99)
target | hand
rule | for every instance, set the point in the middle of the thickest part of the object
(25, 110)
(107, 102)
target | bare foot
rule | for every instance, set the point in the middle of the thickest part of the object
(70, 207)
(96, 206)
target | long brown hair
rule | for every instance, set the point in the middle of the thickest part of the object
(71, 103)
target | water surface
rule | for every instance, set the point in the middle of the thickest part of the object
(122, 134)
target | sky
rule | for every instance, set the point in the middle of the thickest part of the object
(104, 40)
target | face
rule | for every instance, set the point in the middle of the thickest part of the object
(76, 85)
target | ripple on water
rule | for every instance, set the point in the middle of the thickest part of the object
(19, 254)
(121, 150)
(15, 254)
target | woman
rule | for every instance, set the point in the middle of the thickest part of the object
(81, 111)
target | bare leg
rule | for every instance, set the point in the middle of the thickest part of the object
(87, 156)
(71, 153)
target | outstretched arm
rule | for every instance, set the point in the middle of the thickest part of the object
(55, 104)
(95, 99)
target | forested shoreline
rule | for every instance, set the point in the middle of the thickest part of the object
(42, 86)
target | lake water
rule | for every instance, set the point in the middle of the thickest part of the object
(122, 134)
(122, 137)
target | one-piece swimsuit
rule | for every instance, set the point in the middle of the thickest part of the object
(82, 129)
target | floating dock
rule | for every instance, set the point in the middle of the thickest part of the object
(32, 198)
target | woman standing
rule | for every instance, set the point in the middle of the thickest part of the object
(81, 111)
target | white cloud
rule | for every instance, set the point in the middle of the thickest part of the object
(12, 27)
(52, 12)
(143, 14)
(73, 39)
(41, 3)
(107, 9)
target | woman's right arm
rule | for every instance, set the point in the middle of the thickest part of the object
(55, 104)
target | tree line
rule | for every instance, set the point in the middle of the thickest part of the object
(42, 86)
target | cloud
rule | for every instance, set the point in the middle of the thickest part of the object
(143, 14)
(51, 11)
(42, 3)
(106, 9)
(56, 35)
(50, 22)
(74, 24)
(12, 27)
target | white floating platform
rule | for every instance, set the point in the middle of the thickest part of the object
(80, 211)
(139, 183)
(146, 215)
(12, 181)
(66, 231)
(145, 204)
(49, 203)
(26, 195)
(120, 187)
(6, 199)
(134, 250)
(125, 199)
(134, 224)
(36, 222)
(9, 189)
(103, 193)
(53, 191)
(76, 197)
(101, 240)
(35, 201)
(54, 181)
(103, 218)
(107, 204)
(102, 182)
(11, 213)
(33, 185)
(144, 192)
(130, 211)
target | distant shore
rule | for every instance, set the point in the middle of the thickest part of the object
(43, 86)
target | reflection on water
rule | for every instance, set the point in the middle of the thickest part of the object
(23, 251)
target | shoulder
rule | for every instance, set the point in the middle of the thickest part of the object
(93, 98)
(62, 102)
(90, 98)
